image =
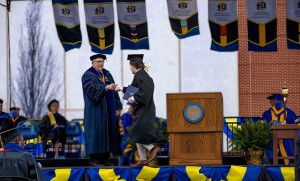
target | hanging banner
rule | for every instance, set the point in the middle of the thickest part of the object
(183, 15)
(262, 25)
(133, 24)
(74, 174)
(99, 15)
(293, 24)
(66, 15)
(222, 15)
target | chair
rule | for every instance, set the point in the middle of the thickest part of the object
(73, 145)
(29, 131)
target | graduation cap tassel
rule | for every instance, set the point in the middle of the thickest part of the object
(147, 68)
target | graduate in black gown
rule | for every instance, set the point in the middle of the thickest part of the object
(15, 161)
(53, 127)
(142, 131)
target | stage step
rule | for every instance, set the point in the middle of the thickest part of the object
(68, 162)
(234, 160)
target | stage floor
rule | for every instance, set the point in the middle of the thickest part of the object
(162, 161)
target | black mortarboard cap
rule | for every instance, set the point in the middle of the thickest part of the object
(135, 58)
(93, 57)
(270, 97)
(14, 109)
(10, 135)
(51, 102)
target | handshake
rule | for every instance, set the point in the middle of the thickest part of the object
(112, 86)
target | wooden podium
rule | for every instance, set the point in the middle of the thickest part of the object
(200, 142)
(283, 131)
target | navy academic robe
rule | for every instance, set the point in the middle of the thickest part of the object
(100, 126)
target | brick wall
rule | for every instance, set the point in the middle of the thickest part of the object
(263, 73)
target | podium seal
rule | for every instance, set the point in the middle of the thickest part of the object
(193, 113)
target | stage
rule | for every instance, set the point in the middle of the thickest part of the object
(79, 170)
(166, 173)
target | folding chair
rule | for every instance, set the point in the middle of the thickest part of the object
(73, 145)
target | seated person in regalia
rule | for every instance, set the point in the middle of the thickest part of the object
(52, 127)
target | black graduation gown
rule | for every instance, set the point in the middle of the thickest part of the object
(48, 133)
(18, 120)
(143, 129)
(19, 164)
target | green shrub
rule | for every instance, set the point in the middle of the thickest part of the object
(252, 136)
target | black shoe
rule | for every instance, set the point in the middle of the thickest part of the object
(94, 162)
(108, 163)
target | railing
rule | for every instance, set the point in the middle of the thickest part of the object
(228, 144)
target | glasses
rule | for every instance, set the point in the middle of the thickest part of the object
(99, 61)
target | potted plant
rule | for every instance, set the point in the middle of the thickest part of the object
(253, 138)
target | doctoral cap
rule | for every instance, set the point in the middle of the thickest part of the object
(271, 97)
(135, 58)
(93, 57)
(14, 109)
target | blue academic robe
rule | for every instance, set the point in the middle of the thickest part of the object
(4, 115)
(277, 115)
(14, 147)
(100, 126)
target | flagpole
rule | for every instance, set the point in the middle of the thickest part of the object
(122, 72)
(179, 65)
(8, 102)
(65, 80)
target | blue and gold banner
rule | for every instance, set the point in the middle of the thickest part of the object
(106, 174)
(196, 173)
(282, 173)
(66, 15)
(99, 15)
(127, 174)
(133, 24)
(222, 15)
(262, 25)
(293, 24)
(66, 174)
(151, 173)
(183, 16)
(181, 173)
